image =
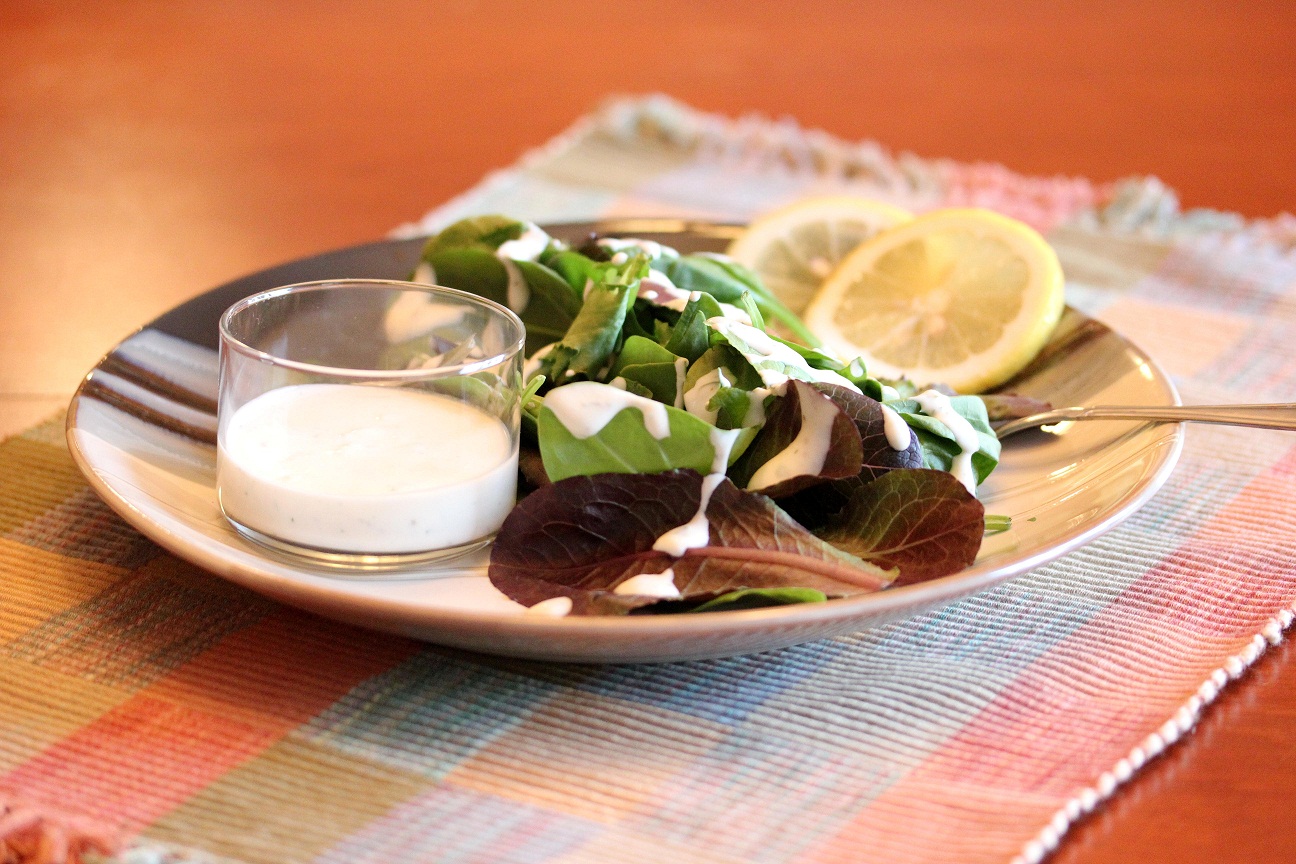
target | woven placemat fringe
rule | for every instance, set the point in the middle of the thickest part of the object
(1175, 727)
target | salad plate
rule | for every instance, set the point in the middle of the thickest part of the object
(142, 429)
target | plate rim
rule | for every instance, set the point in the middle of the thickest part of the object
(320, 589)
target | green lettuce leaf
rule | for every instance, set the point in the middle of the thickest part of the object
(937, 441)
(582, 536)
(625, 445)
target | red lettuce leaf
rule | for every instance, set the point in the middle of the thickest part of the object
(815, 507)
(878, 456)
(782, 426)
(922, 521)
(583, 536)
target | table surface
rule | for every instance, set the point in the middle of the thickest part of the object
(149, 151)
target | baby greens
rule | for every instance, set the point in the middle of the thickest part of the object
(679, 418)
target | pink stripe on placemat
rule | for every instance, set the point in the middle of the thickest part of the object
(175, 737)
(1069, 718)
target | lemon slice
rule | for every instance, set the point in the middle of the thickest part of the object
(795, 248)
(964, 297)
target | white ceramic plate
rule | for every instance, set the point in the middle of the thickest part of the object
(140, 424)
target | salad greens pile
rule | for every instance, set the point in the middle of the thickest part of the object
(692, 447)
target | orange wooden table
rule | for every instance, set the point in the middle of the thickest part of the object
(150, 151)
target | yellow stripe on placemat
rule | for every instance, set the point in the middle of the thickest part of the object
(291, 802)
(36, 475)
(39, 706)
(39, 584)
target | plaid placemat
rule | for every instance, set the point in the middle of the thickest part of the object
(151, 709)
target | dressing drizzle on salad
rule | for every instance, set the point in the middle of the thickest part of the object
(689, 342)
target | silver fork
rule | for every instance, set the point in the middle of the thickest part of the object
(1276, 416)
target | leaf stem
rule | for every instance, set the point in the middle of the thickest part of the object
(841, 572)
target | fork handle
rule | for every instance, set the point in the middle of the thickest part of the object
(1275, 416)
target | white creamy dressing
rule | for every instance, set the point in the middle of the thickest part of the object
(660, 585)
(366, 469)
(651, 248)
(937, 405)
(772, 349)
(696, 397)
(735, 313)
(554, 607)
(526, 247)
(755, 415)
(808, 450)
(620, 258)
(658, 289)
(696, 532)
(898, 433)
(424, 274)
(889, 393)
(416, 314)
(585, 407)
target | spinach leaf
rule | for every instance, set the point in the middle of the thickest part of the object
(582, 536)
(625, 443)
(638, 351)
(937, 441)
(553, 304)
(474, 269)
(714, 268)
(721, 387)
(722, 356)
(813, 357)
(690, 337)
(733, 408)
(644, 361)
(488, 231)
(552, 308)
(637, 389)
(573, 267)
(701, 273)
(923, 522)
(593, 335)
(771, 358)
